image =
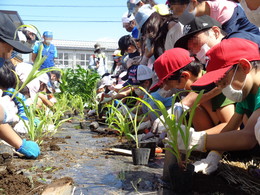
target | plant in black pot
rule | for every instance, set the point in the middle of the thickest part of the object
(140, 155)
(178, 134)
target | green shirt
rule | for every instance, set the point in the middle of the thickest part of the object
(220, 101)
(249, 105)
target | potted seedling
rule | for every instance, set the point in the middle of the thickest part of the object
(140, 155)
(177, 129)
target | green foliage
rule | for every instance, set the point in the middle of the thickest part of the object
(173, 126)
(124, 122)
(117, 120)
(80, 82)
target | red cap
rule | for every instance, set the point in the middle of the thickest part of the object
(169, 62)
(223, 56)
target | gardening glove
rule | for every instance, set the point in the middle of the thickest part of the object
(257, 131)
(30, 149)
(20, 127)
(105, 100)
(209, 164)
(196, 138)
(158, 126)
(10, 109)
(179, 109)
(145, 125)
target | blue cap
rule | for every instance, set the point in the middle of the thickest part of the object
(48, 34)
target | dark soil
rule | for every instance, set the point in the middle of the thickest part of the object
(77, 154)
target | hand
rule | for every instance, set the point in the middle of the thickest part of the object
(196, 138)
(20, 127)
(179, 109)
(105, 100)
(209, 164)
(30, 149)
(257, 131)
(158, 126)
(10, 109)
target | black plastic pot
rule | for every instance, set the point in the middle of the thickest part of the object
(181, 180)
(140, 156)
(151, 145)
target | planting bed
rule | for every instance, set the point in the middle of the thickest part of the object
(78, 156)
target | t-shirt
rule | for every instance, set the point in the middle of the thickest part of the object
(249, 105)
(221, 10)
(252, 15)
(220, 101)
(36, 48)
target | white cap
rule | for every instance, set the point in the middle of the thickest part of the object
(44, 78)
(144, 73)
(143, 14)
(127, 18)
(137, 1)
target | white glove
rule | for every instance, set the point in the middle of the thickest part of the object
(179, 109)
(257, 131)
(196, 138)
(145, 125)
(105, 100)
(10, 109)
(20, 127)
(158, 127)
(209, 164)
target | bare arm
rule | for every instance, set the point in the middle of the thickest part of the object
(191, 97)
(45, 100)
(10, 136)
(229, 120)
(235, 140)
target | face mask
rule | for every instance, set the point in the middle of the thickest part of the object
(187, 16)
(233, 94)
(201, 55)
(48, 42)
(139, 92)
(165, 93)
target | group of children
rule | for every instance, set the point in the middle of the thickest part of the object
(198, 45)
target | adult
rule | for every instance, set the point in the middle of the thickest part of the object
(98, 60)
(49, 50)
(7, 112)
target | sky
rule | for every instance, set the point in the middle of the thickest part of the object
(85, 20)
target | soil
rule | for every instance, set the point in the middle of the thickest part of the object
(77, 156)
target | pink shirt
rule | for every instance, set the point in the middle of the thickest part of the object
(221, 10)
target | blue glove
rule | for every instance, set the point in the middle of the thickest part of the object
(30, 149)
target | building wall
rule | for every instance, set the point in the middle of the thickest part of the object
(78, 53)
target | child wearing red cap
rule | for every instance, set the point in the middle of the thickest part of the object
(234, 67)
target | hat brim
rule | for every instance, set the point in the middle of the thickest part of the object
(17, 45)
(183, 41)
(210, 78)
